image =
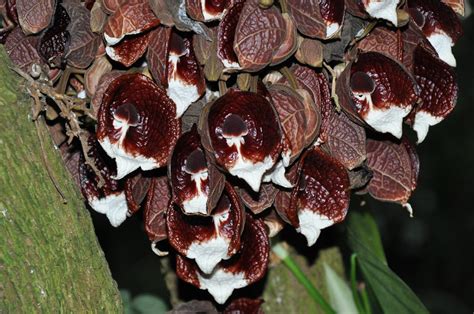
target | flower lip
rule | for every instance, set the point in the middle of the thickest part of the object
(127, 113)
(361, 82)
(196, 162)
(234, 126)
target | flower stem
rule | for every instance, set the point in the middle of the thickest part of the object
(283, 254)
(365, 299)
(355, 293)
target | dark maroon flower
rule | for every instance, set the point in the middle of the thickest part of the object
(440, 25)
(209, 239)
(438, 91)
(245, 268)
(137, 124)
(196, 183)
(244, 134)
(379, 90)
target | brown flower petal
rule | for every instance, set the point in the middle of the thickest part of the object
(226, 35)
(110, 199)
(104, 82)
(133, 17)
(195, 182)
(244, 305)
(157, 54)
(129, 50)
(395, 167)
(94, 73)
(186, 82)
(208, 240)
(22, 50)
(54, 42)
(35, 15)
(136, 188)
(312, 82)
(244, 134)
(157, 202)
(240, 271)
(440, 25)
(84, 43)
(289, 43)
(318, 19)
(110, 6)
(258, 202)
(258, 36)
(206, 10)
(384, 40)
(310, 52)
(438, 91)
(321, 195)
(379, 90)
(137, 124)
(344, 139)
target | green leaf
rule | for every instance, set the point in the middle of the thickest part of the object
(364, 237)
(340, 295)
(393, 295)
(147, 303)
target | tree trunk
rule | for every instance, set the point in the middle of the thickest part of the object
(50, 259)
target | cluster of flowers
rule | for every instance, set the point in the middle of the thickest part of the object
(239, 101)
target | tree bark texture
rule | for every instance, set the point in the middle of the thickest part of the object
(50, 260)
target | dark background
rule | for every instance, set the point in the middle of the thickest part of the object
(433, 252)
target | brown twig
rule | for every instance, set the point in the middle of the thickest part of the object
(68, 106)
(333, 86)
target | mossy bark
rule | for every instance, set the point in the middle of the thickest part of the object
(50, 260)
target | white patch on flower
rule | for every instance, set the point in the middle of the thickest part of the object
(423, 120)
(385, 9)
(311, 224)
(388, 120)
(115, 40)
(126, 162)
(208, 254)
(277, 175)
(114, 206)
(182, 93)
(230, 65)
(443, 44)
(221, 284)
(251, 172)
(111, 53)
(332, 29)
(197, 204)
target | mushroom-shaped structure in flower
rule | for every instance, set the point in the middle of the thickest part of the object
(244, 134)
(245, 268)
(379, 90)
(137, 124)
(196, 183)
(439, 24)
(208, 240)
